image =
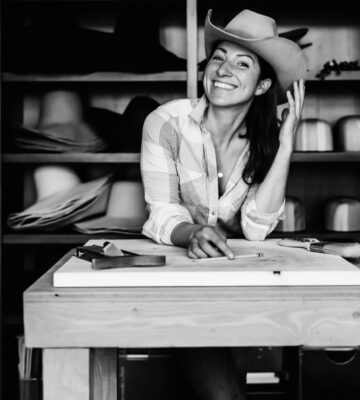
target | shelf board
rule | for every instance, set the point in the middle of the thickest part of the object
(75, 239)
(101, 158)
(167, 76)
(54, 238)
(112, 158)
(343, 77)
(305, 157)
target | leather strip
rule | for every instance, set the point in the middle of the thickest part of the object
(128, 261)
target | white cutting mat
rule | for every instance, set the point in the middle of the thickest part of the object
(279, 266)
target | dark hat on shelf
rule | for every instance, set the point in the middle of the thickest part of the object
(75, 49)
(68, 48)
(144, 52)
(122, 132)
(126, 211)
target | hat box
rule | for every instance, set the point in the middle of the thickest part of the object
(347, 133)
(294, 216)
(314, 134)
(342, 214)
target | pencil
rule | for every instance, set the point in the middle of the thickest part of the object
(252, 255)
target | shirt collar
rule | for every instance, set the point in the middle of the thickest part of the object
(198, 112)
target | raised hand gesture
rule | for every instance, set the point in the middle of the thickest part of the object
(291, 116)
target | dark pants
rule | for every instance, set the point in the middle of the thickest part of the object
(212, 373)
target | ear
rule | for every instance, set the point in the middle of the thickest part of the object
(263, 86)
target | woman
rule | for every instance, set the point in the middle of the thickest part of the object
(219, 165)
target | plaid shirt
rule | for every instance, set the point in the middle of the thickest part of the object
(179, 173)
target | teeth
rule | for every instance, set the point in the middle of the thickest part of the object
(224, 85)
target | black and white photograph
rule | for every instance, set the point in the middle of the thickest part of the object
(180, 200)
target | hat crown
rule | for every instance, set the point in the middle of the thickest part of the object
(127, 200)
(251, 25)
(60, 107)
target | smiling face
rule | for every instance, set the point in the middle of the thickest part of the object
(232, 76)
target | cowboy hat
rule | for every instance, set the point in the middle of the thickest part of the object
(259, 34)
(51, 179)
(64, 208)
(61, 126)
(126, 211)
(122, 132)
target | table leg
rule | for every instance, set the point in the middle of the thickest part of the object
(66, 374)
(104, 374)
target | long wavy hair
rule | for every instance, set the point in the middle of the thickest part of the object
(262, 129)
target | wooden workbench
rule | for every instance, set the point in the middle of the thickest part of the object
(79, 329)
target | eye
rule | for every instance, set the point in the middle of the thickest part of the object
(217, 57)
(242, 64)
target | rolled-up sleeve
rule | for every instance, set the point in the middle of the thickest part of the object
(257, 225)
(160, 179)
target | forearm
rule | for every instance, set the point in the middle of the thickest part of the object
(271, 192)
(180, 236)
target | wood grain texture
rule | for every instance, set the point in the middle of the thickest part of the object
(66, 374)
(185, 323)
(104, 374)
(184, 316)
(191, 46)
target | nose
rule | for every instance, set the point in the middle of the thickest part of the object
(224, 69)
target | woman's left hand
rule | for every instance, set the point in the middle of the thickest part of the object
(291, 116)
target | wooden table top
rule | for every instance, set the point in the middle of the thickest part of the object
(189, 316)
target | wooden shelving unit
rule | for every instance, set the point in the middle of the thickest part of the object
(314, 175)
(168, 76)
(70, 158)
(130, 158)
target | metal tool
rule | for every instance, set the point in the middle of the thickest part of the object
(110, 256)
(343, 249)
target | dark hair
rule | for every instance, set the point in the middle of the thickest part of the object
(262, 129)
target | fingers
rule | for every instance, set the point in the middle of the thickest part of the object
(296, 102)
(207, 242)
(291, 103)
(297, 98)
(302, 92)
(194, 250)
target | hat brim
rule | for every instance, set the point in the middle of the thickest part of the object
(286, 57)
(106, 224)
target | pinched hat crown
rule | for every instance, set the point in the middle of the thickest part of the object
(251, 25)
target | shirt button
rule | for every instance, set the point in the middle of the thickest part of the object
(213, 213)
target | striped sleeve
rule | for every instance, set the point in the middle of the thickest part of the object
(160, 179)
(257, 225)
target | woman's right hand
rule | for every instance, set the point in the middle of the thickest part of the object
(208, 241)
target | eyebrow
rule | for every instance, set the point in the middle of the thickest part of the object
(238, 55)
